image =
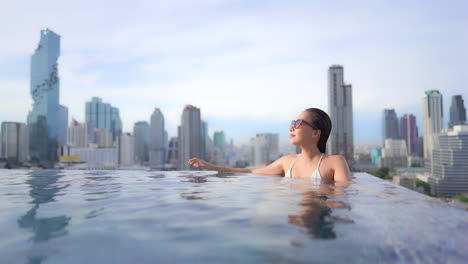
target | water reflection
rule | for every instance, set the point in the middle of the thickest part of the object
(98, 185)
(317, 207)
(44, 188)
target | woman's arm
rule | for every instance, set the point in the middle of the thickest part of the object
(341, 170)
(275, 168)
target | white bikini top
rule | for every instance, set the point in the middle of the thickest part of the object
(315, 175)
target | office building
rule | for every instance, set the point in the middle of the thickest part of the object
(390, 126)
(449, 162)
(14, 142)
(433, 120)
(189, 136)
(457, 111)
(104, 115)
(78, 135)
(126, 150)
(409, 133)
(394, 154)
(141, 133)
(158, 148)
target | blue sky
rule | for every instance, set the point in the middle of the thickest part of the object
(251, 66)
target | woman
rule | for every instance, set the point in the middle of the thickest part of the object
(310, 132)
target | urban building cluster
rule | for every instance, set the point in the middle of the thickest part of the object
(441, 154)
(49, 140)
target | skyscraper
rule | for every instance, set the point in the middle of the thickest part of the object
(390, 127)
(433, 120)
(104, 115)
(43, 120)
(409, 132)
(457, 111)
(189, 136)
(340, 109)
(141, 132)
(157, 139)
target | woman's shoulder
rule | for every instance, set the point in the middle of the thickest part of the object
(288, 158)
(333, 159)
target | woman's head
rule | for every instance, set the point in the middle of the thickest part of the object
(315, 130)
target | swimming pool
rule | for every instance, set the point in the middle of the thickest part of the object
(201, 216)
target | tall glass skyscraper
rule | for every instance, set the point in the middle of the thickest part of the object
(409, 132)
(457, 111)
(390, 126)
(340, 109)
(44, 119)
(103, 115)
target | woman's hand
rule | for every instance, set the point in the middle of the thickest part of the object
(199, 163)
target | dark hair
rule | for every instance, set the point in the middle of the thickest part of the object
(322, 121)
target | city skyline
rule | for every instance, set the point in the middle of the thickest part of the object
(226, 68)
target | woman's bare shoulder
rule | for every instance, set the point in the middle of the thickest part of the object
(290, 157)
(333, 160)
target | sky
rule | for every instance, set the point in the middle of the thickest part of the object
(250, 66)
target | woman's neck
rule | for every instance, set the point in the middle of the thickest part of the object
(310, 153)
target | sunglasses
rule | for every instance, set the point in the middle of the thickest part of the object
(297, 123)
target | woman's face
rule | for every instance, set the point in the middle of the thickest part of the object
(304, 134)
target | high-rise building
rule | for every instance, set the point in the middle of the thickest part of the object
(157, 139)
(409, 132)
(126, 150)
(449, 162)
(457, 111)
(390, 127)
(189, 136)
(63, 125)
(104, 115)
(340, 109)
(141, 133)
(266, 148)
(78, 135)
(433, 120)
(44, 119)
(14, 142)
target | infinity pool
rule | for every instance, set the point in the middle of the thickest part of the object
(205, 217)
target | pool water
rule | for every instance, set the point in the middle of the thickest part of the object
(58, 216)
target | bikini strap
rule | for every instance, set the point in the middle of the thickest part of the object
(320, 161)
(290, 169)
(294, 162)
